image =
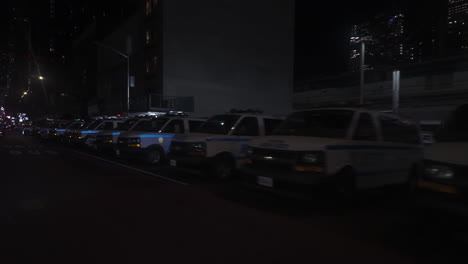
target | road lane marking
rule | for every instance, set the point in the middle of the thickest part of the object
(132, 168)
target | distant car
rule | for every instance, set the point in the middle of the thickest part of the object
(61, 130)
(2, 131)
(27, 130)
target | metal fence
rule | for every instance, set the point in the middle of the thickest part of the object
(157, 102)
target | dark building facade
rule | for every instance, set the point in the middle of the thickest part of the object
(457, 26)
(204, 58)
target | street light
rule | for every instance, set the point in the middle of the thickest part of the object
(127, 57)
(41, 78)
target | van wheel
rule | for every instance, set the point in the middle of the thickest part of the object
(346, 183)
(222, 168)
(411, 185)
(154, 156)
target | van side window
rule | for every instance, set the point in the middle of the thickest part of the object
(107, 126)
(194, 124)
(365, 130)
(395, 130)
(247, 127)
(175, 126)
(271, 125)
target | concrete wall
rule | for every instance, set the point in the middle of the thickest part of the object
(230, 54)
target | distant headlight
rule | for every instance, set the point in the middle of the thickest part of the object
(439, 172)
(313, 158)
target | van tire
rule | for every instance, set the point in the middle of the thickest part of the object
(411, 185)
(154, 156)
(346, 183)
(222, 168)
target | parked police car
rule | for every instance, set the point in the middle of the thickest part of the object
(220, 144)
(70, 126)
(347, 149)
(107, 140)
(151, 139)
(87, 137)
(69, 134)
(446, 161)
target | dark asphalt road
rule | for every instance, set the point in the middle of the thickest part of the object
(61, 206)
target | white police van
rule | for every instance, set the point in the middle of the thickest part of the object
(446, 160)
(71, 126)
(107, 140)
(345, 148)
(220, 144)
(87, 136)
(151, 139)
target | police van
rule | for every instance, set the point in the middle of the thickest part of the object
(60, 131)
(220, 144)
(446, 160)
(150, 139)
(345, 148)
(107, 140)
(87, 136)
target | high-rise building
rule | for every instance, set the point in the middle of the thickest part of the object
(457, 26)
(387, 41)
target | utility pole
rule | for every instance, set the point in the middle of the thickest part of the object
(363, 59)
(396, 91)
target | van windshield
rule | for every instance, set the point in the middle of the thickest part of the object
(317, 123)
(125, 126)
(94, 124)
(220, 124)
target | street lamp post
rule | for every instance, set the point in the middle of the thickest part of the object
(363, 59)
(127, 57)
(362, 41)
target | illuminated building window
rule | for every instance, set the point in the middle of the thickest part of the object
(149, 7)
(148, 37)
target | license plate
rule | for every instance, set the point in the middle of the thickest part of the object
(265, 181)
(173, 163)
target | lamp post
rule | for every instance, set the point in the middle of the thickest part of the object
(362, 41)
(127, 57)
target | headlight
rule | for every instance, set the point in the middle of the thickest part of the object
(312, 158)
(438, 171)
(198, 147)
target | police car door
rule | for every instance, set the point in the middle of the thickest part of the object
(366, 157)
(246, 129)
(399, 151)
(173, 127)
